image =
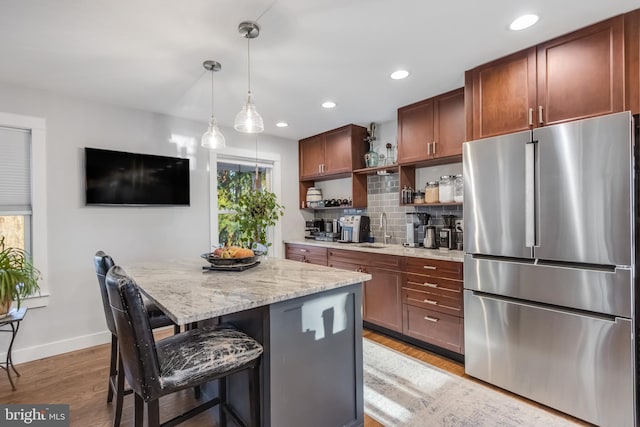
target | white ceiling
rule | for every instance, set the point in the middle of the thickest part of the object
(148, 54)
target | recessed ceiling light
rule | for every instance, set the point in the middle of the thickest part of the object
(282, 124)
(522, 22)
(328, 104)
(399, 74)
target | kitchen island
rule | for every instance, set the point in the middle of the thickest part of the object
(307, 317)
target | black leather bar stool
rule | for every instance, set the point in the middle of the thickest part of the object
(157, 319)
(181, 361)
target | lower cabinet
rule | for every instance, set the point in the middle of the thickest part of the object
(416, 297)
(432, 304)
(381, 296)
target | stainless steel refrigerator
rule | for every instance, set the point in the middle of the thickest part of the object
(549, 269)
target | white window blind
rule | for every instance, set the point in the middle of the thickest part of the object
(15, 173)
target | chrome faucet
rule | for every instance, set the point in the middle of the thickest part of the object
(383, 226)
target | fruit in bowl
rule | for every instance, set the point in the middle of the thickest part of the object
(232, 252)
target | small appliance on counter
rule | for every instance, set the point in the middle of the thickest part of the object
(430, 241)
(312, 227)
(447, 234)
(416, 228)
(355, 228)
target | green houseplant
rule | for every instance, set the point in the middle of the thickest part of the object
(18, 277)
(256, 210)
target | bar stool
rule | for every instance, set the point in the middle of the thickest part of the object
(157, 319)
(181, 361)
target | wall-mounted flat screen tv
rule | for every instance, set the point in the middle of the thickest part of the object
(120, 178)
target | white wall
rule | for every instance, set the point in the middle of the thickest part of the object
(74, 317)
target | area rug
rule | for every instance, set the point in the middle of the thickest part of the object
(402, 391)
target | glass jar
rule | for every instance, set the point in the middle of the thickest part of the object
(431, 192)
(418, 198)
(458, 189)
(445, 191)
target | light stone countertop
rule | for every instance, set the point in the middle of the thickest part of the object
(188, 294)
(379, 248)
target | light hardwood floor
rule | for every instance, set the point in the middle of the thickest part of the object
(79, 379)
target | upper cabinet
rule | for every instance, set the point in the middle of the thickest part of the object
(632, 61)
(572, 77)
(431, 129)
(333, 153)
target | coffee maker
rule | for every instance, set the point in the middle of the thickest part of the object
(355, 228)
(447, 240)
(312, 228)
(416, 228)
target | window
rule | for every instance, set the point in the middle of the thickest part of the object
(15, 187)
(241, 163)
(234, 178)
(23, 197)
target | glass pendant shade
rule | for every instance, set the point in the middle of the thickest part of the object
(248, 120)
(213, 138)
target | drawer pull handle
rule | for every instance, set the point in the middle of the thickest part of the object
(428, 301)
(430, 285)
(429, 267)
(431, 319)
(304, 250)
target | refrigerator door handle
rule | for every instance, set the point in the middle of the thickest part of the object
(530, 199)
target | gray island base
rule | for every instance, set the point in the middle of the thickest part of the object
(307, 317)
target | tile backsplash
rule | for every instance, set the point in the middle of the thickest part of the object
(383, 195)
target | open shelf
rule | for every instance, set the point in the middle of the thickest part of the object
(378, 170)
(432, 204)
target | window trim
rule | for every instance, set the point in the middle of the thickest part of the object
(38, 128)
(247, 156)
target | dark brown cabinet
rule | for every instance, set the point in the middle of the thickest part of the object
(381, 301)
(431, 129)
(632, 61)
(333, 153)
(432, 303)
(572, 77)
(306, 253)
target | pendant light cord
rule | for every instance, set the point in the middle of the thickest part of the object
(249, 62)
(257, 170)
(212, 93)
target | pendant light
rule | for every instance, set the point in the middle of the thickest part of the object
(212, 138)
(248, 120)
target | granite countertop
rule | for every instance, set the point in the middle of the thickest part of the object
(379, 248)
(188, 294)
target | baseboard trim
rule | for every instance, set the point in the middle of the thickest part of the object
(57, 347)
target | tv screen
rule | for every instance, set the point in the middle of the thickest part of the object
(120, 178)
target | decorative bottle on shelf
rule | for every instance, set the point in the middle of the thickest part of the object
(389, 160)
(371, 158)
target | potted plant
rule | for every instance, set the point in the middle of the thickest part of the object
(18, 277)
(256, 210)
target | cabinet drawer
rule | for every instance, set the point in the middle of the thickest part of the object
(303, 253)
(436, 285)
(430, 301)
(437, 268)
(389, 262)
(436, 328)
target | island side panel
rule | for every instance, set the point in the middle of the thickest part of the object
(312, 371)
(316, 360)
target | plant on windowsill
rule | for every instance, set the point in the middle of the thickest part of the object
(256, 210)
(18, 277)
